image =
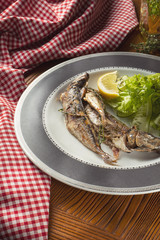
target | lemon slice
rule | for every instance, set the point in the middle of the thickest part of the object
(107, 85)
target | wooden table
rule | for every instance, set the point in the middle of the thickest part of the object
(80, 215)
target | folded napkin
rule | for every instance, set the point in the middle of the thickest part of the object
(33, 32)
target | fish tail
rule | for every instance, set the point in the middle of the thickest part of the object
(109, 160)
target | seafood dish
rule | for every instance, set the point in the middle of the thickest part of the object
(87, 119)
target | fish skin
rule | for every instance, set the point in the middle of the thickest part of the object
(94, 100)
(93, 115)
(95, 119)
(72, 98)
(142, 141)
(76, 119)
(80, 127)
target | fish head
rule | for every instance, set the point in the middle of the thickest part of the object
(81, 81)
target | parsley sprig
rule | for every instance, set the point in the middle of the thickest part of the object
(151, 45)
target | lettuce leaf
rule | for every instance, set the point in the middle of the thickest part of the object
(139, 98)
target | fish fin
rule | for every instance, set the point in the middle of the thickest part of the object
(115, 152)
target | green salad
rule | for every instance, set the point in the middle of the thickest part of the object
(139, 99)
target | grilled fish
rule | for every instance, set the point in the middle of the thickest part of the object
(95, 101)
(77, 121)
(72, 98)
(100, 130)
(141, 141)
(120, 136)
(87, 119)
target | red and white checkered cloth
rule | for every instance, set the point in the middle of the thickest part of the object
(33, 32)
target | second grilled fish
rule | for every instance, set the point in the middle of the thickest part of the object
(118, 135)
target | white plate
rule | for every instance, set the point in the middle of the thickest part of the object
(42, 134)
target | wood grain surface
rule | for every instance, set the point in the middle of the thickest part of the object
(77, 214)
(80, 215)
